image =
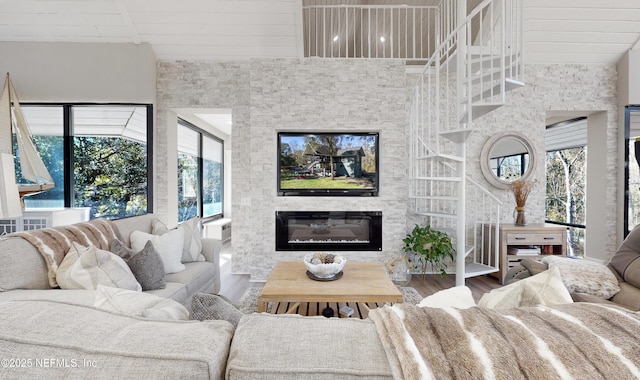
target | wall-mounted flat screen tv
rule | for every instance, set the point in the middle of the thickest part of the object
(341, 164)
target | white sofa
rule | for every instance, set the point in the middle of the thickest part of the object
(23, 270)
(59, 340)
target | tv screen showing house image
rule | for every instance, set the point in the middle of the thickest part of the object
(328, 164)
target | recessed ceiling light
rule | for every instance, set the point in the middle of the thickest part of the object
(336, 38)
(382, 39)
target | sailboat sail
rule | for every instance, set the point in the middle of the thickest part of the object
(31, 165)
(6, 142)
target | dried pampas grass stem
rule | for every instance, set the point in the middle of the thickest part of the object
(521, 190)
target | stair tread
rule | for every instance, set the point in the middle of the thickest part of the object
(482, 58)
(480, 110)
(436, 214)
(434, 197)
(473, 270)
(450, 179)
(457, 136)
(441, 156)
(478, 269)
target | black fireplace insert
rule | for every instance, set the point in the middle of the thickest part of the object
(329, 230)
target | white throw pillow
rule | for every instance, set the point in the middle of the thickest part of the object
(89, 267)
(584, 276)
(139, 304)
(545, 288)
(191, 251)
(168, 246)
(459, 297)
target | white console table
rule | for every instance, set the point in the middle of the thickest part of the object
(34, 219)
(218, 229)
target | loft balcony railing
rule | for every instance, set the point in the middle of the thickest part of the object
(368, 31)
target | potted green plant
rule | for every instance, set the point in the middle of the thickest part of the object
(430, 247)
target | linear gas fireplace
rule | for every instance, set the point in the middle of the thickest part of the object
(329, 230)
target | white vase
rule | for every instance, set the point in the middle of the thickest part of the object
(400, 273)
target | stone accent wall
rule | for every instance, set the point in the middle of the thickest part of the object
(272, 95)
(185, 84)
(326, 95)
(580, 88)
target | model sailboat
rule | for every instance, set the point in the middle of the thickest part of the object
(35, 176)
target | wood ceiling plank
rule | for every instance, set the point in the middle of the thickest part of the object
(213, 6)
(215, 30)
(574, 47)
(546, 57)
(603, 26)
(575, 36)
(586, 14)
(602, 4)
(205, 40)
(183, 17)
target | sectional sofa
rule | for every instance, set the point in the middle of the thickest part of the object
(53, 333)
(24, 272)
(624, 269)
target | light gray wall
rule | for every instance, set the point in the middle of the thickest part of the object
(80, 72)
(596, 237)
(271, 95)
(629, 72)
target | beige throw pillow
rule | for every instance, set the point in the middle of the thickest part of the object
(168, 246)
(191, 251)
(584, 276)
(545, 288)
(89, 267)
(458, 297)
(139, 304)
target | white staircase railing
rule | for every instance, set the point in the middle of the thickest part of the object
(482, 220)
(494, 57)
(373, 31)
(468, 75)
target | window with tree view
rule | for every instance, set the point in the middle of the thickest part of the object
(566, 188)
(46, 124)
(107, 159)
(632, 172)
(200, 173)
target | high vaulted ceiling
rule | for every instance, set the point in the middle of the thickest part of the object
(556, 31)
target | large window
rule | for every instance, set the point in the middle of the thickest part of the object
(47, 127)
(566, 167)
(200, 173)
(97, 155)
(632, 168)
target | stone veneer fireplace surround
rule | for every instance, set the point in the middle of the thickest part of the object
(329, 230)
(268, 96)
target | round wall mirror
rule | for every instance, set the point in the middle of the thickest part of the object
(507, 157)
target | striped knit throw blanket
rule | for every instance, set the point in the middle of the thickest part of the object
(573, 341)
(54, 243)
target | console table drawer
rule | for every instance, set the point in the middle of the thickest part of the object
(518, 238)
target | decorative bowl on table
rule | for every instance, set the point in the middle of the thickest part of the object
(324, 265)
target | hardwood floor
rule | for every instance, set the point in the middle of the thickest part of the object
(233, 286)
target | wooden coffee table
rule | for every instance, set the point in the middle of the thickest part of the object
(363, 285)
